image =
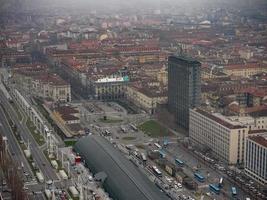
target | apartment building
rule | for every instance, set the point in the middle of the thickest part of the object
(109, 88)
(145, 97)
(256, 157)
(245, 70)
(224, 137)
(36, 79)
(52, 86)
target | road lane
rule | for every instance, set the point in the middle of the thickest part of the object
(37, 154)
(13, 146)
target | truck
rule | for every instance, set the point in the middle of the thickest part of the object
(40, 177)
(63, 174)
(27, 153)
(54, 164)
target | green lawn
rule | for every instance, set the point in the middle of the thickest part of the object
(70, 143)
(154, 129)
(110, 120)
(140, 146)
(129, 138)
(37, 136)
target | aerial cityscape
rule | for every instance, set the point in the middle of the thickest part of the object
(133, 100)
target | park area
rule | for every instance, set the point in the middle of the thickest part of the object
(154, 129)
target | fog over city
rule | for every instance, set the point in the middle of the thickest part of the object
(120, 4)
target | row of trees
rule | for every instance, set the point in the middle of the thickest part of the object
(10, 173)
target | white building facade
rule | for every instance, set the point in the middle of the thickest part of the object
(225, 139)
(256, 157)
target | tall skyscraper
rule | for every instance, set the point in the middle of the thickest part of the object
(184, 92)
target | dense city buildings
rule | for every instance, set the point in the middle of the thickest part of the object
(184, 79)
(150, 99)
(256, 157)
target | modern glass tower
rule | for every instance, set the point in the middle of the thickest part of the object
(184, 87)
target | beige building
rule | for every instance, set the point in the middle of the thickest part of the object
(224, 138)
(207, 74)
(52, 86)
(44, 85)
(147, 98)
(162, 76)
(245, 54)
(245, 70)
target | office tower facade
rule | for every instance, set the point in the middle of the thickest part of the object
(184, 87)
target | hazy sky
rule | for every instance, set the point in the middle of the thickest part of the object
(5, 4)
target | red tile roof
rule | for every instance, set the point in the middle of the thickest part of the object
(66, 109)
(248, 110)
(259, 92)
(242, 66)
(85, 44)
(53, 79)
(259, 139)
(134, 49)
(257, 131)
(67, 117)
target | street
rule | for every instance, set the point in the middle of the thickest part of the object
(37, 153)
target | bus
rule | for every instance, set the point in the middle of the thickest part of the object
(179, 162)
(133, 127)
(162, 154)
(214, 189)
(221, 182)
(157, 145)
(234, 192)
(156, 171)
(199, 177)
